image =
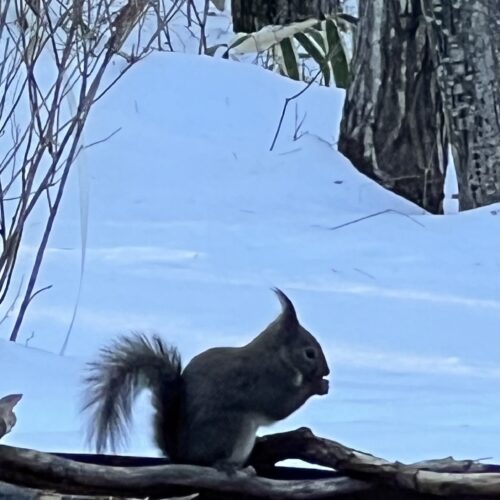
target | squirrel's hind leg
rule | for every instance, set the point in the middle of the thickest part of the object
(224, 443)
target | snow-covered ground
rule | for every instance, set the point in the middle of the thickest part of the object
(192, 219)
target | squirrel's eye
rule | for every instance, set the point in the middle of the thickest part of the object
(310, 353)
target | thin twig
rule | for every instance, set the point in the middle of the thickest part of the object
(376, 214)
(80, 38)
(287, 101)
(48, 287)
(104, 139)
(13, 304)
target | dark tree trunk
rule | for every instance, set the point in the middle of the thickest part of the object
(252, 15)
(393, 127)
(466, 36)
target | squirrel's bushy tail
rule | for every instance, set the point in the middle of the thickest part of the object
(129, 364)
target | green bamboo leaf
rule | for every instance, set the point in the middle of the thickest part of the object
(240, 40)
(318, 26)
(314, 52)
(332, 34)
(219, 4)
(310, 48)
(237, 42)
(317, 37)
(290, 58)
(336, 55)
(210, 51)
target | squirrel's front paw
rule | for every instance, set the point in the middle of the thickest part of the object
(249, 471)
(228, 468)
(231, 469)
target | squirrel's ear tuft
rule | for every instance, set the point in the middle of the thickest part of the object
(11, 400)
(288, 313)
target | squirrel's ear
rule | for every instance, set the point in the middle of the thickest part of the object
(10, 401)
(288, 314)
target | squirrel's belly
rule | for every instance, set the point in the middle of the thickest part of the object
(246, 440)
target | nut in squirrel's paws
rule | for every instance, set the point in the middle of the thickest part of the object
(323, 386)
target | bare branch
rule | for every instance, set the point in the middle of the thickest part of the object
(46, 111)
(69, 476)
(288, 100)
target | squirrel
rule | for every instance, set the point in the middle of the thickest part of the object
(207, 414)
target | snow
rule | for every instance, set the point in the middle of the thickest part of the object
(192, 219)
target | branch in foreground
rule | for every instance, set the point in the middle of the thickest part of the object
(287, 102)
(42, 470)
(437, 477)
(358, 475)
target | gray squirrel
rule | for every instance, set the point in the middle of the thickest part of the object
(208, 413)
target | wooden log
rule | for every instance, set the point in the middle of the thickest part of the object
(358, 475)
(438, 477)
(12, 492)
(42, 470)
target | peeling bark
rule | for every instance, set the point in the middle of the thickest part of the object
(466, 36)
(252, 15)
(392, 127)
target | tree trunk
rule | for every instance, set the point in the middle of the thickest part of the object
(392, 127)
(466, 36)
(252, 15)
